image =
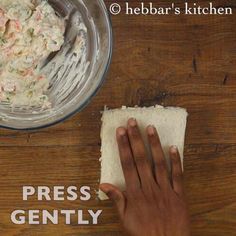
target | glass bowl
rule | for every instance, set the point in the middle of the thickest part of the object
(73, 80)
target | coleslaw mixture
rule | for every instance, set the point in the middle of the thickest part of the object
(29, 31)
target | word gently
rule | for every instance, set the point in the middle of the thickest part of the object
(54, 216)
(187, 9)
(36, 217)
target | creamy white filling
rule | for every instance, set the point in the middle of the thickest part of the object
(29, 31)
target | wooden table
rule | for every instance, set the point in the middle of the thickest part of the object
(186, 61)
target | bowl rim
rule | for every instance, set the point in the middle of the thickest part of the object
(88, 100)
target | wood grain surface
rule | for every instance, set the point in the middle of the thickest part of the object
(186, 61)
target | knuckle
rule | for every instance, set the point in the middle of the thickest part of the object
(163, 203)
(154, 188)
(140, 160)
(134, 194)
(133, 132)
(178, 176)
(123, 141)
(127, 163)
(160, 164)
(176, 159)
(154, 142)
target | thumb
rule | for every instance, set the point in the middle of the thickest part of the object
(114, 195)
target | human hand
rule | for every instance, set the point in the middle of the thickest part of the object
(153, 203)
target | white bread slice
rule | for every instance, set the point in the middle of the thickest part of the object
(170, 123)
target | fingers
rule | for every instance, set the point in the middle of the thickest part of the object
(114, 195)
(177, 173)
(160, 165)
(139, 153)
(127, 161)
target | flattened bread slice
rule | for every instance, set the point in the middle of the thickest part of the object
(170, 123)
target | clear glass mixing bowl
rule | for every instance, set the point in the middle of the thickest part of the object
(70, 90)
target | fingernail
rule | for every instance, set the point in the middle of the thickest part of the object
(132, 122)
(174, 149)
(121, 131)
(151, 130)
